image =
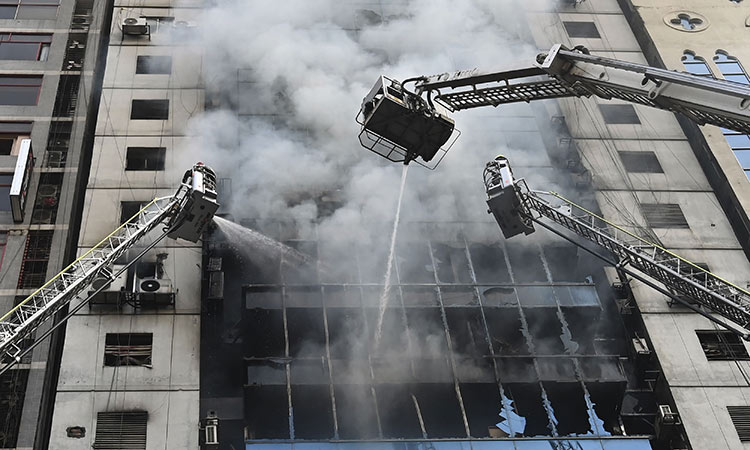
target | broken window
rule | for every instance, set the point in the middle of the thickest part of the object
(128, 349)
(721, 345)
(145, 158)
(157, 109)
(129, 209)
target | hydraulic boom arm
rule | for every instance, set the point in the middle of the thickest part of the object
(516, 208)
(184, 214)
(414, 123)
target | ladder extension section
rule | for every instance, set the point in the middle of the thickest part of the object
(565, 73)
(678, 275)
(18, 326)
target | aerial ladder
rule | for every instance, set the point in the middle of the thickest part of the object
(406, 125)
(183, 215)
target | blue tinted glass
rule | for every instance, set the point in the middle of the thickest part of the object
(697, 68)
(729, 67)
(743, 156)
(747, 174)
(737, 78)
(738, 140)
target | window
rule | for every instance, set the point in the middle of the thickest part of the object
(28, 9)
(581, 29)
(154, 65)
(619, 114)
(11, 134)
(19, 90)
(720, 345)
(28, 47)
(128, 349)
(730, 67)
(128, 210)
(640, 162)
(695, 64)
(13, 385)
(732, 70)
(687, 22)
(664, 215)
(145, 158)
(740, 416)
(150, 110)
(5, 181)
(115, 428)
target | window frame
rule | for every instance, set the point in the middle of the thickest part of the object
(40, 78)
(143, 101)
(730, 347)
(569, 29)
(18, 4)
(8, 38)
(160, 160)
(145, 64)
(120, 353)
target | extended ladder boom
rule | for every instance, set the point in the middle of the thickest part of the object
(515, 207)
(565, 73)
(184, 214)
(403, 125)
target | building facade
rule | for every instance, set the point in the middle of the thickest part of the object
(484, 342)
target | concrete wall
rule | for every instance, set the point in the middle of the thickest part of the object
(168, 389)
(701, 389)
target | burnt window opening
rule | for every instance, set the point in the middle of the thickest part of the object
(153, 65)
(35, 258)
(128, 349)
(721, 345)
(640, 162)
(24, 47)
(115, 428)
(157, 109)
(20, 90)
(582, 30)
(740, 416)
(619, 114)
(664, 215)
(145, 158)
(129, 209)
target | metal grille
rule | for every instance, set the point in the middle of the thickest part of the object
(741, 419)
(121, 430)
(35, 258)
(664, 215)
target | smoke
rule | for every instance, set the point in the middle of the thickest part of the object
(284, 82)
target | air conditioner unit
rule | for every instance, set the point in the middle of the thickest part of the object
(113, 292)
(154, 292)
(41, 216)
(80, 21)
(184, 24)
(666, 422)
(135, 26)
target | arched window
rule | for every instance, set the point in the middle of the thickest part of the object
(730, 67)
(695, 64)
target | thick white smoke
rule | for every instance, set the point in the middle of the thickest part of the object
(296, 72)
